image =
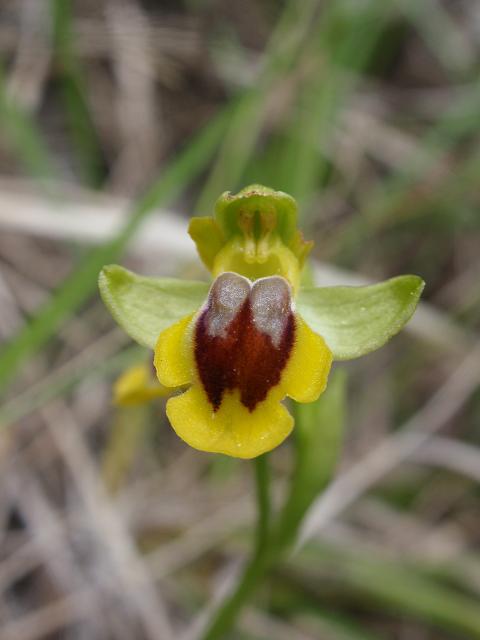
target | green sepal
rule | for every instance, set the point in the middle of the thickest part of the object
(144, 306)
(357, 320)
(268, 209)
(230, 208)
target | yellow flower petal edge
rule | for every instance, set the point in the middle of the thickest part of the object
(173, 358)
(137, 385)
(233, 429)
(306, 374)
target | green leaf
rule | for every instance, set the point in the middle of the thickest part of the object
(319, 428)
(356, 320)
(143, 306)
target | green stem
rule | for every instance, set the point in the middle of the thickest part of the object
(311, 472)
(262, 483)
(259, 563)
(253, 573)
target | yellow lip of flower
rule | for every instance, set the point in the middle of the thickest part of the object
(241, 354)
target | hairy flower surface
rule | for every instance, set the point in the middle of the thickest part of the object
(231, 352)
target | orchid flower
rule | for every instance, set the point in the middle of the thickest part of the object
(231, 351)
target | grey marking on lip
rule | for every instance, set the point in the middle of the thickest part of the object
(271, 305)
(227, 296)
(270, 301)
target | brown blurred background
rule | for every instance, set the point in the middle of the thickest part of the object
(368, 112)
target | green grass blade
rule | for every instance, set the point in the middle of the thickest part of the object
(249, 112)
(393, 586)
(337, 64)
(39, 395)
(74, 94)
(25, 140)
(83, 281)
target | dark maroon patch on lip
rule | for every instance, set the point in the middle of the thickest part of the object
(241, 356)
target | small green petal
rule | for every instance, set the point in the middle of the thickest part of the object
(208, 239)
(357, 320)
(144, 306)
